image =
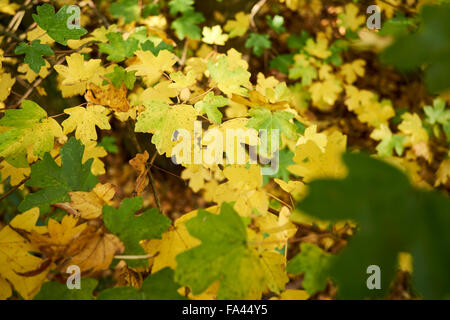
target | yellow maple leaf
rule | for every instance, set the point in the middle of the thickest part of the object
(5, 89)
(5, 289)
(411, 126)
(350, 18)
(84, 120)
(350, 71)
(163, 120)
(376, 113)
(296, 188)
(8, 8)
(324, 94)
(239, 26)
(182, 80)
(151, 66)
(389, 8)
(39, 34)
(265, 85)
(291, 294)
(311, 134)
(196, 65)
(274, 231)
(197, 176)
(160, 92)
(443, 173)
(16, 174)
(90, 204)
(30, 75)
(15, 259)
(272, 267)
(214, 35)
(92, 150)
(244, 187)
(356, 99)
(174, 241)
(76, 76)
(313, 163)
(318, 48)
(405, 262)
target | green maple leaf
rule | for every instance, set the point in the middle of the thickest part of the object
(33, 54)
(392, 217)
(118, 49)
(163, 121)
(131, 228)
(315, 264)
(109, 143)
(306, 72)
(128, 9)
(58, 291)
(151, 9)
(56, 25)
(157, 286)
(259, 42)
(119, 76)
(210, 105)
(224, 255)
(437, 113)
(186, 25)
(298, 41)
(282, 62)
(285, 160)
(180, 6)
(229, 80)
(264, 119)
(429, 46)
(140, 34)
(28, 131)
(150, 46)
(386, 147)
(56, 182)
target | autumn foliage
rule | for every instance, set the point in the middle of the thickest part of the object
(111, 111)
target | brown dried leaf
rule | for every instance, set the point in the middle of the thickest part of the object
(98, 252)
(112, 97)
(139, 164)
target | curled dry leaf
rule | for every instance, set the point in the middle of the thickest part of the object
(85, 245)
(139, 163)
(115, 98)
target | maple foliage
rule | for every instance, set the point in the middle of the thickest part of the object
(270, 150)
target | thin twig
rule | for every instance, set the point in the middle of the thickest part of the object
(6, 194)
(66, 207)
(149, 173)
(254, 11)
(134, 257)
(278, 199)
(183, 57)
(102, 17)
